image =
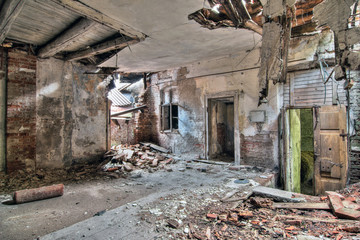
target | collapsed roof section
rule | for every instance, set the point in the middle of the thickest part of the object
(252, 14)
(230, 13)
(70, 30)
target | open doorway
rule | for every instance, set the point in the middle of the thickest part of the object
(307, 151)
(315, 158)
(221, 129)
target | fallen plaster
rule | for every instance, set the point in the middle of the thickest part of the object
(351, 59)
(335, 14)
(271, 66)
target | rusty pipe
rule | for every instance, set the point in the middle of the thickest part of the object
(34, 194)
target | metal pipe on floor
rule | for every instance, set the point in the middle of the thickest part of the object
(34, 194)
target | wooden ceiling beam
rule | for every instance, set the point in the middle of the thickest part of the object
(107, 46)
(91, 13)
(67, 38)
(9, 12)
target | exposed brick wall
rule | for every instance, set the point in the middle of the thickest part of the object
(21, 116)
(122, 131)
(354, 170)
(257, 150)
(146, 120)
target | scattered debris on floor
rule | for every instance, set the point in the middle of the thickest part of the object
(334, 216)
(44, 177)
(117, 163)
(127, 158)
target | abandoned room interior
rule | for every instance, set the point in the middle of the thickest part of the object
(201, 119)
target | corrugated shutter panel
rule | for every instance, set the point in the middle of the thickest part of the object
(309, 89)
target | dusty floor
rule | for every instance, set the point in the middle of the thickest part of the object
(171, 203)
(86, 197)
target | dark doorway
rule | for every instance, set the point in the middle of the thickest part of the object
(307, 151)
(221, 129)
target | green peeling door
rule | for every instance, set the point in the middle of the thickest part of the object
(330, 146)
(292, 150)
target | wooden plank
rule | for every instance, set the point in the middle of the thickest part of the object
(334, 93)
(292, 89)
(317, 178)
(312, 102)
(99, 17)
(306, 84)
(107, 46)
(317, 97)
(348, 213)
(306, 92)
(276, 194)
(314, 219)
(314, 84)
(295, 148)
(156, 147)
(8, 14)
(67, 38)
(128, 111)
(306, 205)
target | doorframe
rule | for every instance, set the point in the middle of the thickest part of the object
(226, 94)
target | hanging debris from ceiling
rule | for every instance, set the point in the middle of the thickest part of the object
(275, 44)
(340, 16)
(230, 13)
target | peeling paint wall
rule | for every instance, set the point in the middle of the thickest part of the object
(71, 115)
(354, 155)
(190, 87)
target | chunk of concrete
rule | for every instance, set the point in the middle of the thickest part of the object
(276, 194)
(129, 153)
(128, 167)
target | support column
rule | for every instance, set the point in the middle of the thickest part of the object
(3, 107)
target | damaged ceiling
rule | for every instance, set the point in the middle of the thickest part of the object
(143, 36)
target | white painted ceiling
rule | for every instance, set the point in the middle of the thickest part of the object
(173, 40)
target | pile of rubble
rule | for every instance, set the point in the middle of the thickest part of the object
(266, 216)
(127, 158)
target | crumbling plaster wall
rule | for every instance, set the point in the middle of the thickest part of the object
(354, 155)
(312, 48)
(71, 114)
(259, 141)
(188, 139)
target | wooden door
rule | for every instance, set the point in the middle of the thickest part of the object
(292, 164)
(330, 146)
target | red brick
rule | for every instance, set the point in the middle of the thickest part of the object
(212, 215)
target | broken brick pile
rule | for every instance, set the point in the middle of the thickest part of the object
(126, 158)
(262, 218)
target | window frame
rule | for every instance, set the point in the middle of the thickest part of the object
(170, 117)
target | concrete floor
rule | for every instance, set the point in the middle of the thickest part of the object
(132, 208)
